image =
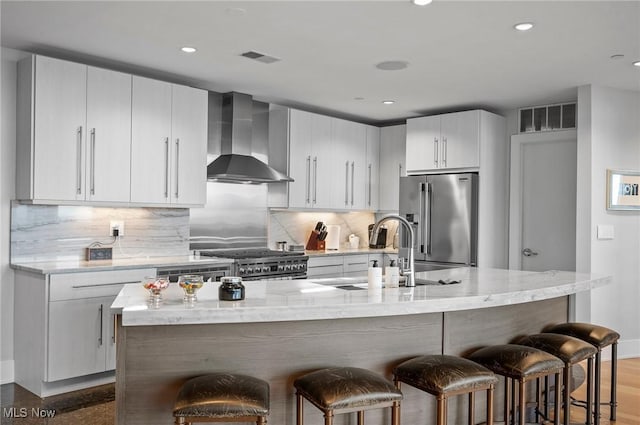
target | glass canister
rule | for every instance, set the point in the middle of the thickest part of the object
(231, 289)
(190, 283)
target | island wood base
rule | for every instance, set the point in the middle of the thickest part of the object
(154, 361)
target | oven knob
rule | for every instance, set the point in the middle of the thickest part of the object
(295, 267)
(287, 268)
(241, 270)
(249, 270)
(265, 269)
(280, 268)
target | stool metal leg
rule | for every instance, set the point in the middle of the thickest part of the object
(328, 417)
(567, 393)
(521, 401)
(471, 407)
(361, 417)
(261, 420)
(299, 412)
(513, 403)
(395, 413)
(490, 406)
(614, 380)
(546, 396)
(589, 389)
(505, 416)
(442, 410)
(596, 398)
(556, 405)
(538, 399)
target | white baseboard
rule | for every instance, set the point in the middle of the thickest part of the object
(7, 371)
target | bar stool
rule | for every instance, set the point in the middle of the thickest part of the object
(445, 376)
(600, 337)
(571, 351)
(523, 364)
(340, 390)
(222, 397)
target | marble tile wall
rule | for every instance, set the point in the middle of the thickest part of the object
(295, 227)
(49, 232)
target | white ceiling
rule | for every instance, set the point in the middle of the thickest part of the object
(461, 54)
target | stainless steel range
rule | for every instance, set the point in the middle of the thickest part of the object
(262, 263)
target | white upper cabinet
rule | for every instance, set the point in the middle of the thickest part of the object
(168, 144)
(392, 166)
(349, 154)
(373, 168)
(446, 142)
(108, 135)
(74, 126)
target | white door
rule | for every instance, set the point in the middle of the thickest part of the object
(543, 201)
(109, 135)
(188, 146)
(150, 141)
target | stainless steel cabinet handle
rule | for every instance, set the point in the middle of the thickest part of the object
(115, 328)
(315, 178)
(98, 285)
(352, 180)
(100, 310)
(528, 252)
(308, 198)
(346, 183)
(435, 151)
(93, 161)
(177, 168)
(166, 167)
(79, 160)
(369, 184)
(444, 151)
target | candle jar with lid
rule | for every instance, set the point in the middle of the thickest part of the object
(231, 289)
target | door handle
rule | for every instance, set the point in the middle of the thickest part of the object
(93, 161)
(369, 184)
(352, 180)
(444, 151)
(428, 219)
(308, 199)
(315, 179)
(435, 151)
(177, 168)
(101, 315)
(528, 252)
(79, 160)
(421, 220)
(166, 167)
(346, 183)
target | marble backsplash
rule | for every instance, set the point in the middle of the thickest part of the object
(295, 227)
(49, 232)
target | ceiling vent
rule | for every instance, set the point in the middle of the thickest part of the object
(260, 57)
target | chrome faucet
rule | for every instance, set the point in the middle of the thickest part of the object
(408, 273)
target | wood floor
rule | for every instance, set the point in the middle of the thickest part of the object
(96, 407)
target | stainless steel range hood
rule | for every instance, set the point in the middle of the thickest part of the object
(236, 164)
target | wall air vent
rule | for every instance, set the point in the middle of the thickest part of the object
(559, 116)
(260, 57)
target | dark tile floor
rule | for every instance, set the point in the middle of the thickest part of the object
(93, 406)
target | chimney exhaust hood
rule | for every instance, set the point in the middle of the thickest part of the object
(236, 164)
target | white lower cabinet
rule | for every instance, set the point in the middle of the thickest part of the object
(347, 265)
(64, 329)
(325, 266)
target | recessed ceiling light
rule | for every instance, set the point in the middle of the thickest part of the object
(388, 102)
(523, 26)
(187, 49)
(421, 2)
(636, 63)
(392, 65)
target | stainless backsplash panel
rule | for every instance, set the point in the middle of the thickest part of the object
(50, 232)
(235, 216)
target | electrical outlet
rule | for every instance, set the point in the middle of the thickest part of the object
(116, 224)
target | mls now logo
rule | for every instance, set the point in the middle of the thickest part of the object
(629, 189)
(23, 412)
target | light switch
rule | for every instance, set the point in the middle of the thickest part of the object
(605, 231)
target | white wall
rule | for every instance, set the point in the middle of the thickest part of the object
(7, 189)
(609, 137)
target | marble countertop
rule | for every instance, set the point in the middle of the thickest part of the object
(349, 251)
(318, 299)
(75, 266)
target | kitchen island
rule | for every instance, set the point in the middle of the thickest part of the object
(284, 329)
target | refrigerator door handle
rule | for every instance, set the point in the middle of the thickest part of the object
(421, 221)
(428, 218)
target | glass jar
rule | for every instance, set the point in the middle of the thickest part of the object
(190, 283)
(231, 289)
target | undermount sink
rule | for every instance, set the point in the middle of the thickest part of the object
(360, 283)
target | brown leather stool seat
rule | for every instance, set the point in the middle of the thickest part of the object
(445, 376)
(523, 364)
(347, 389)
(571, 351)
(600, 337)
(222, 397)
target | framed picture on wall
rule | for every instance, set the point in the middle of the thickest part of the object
(623, 190)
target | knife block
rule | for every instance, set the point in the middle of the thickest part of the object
(314, 244)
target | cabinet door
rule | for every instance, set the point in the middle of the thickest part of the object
(392, 160)
(349, 140)
(109, 135)
(59, 130)
(77, 338)
(188, 146)
(300, 160)
(460, 140)
(109, 322)
(373, 168)
(423, 144)
(322, 163)
(150, 141)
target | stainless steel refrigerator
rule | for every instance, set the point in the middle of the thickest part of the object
(443, 210)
